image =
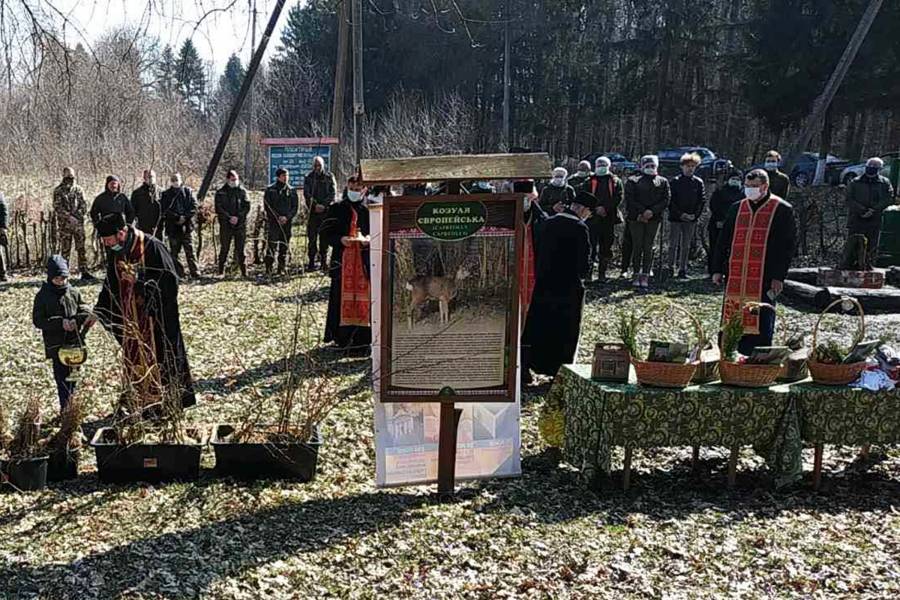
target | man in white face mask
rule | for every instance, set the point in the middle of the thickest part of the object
(578, 178)
(779, 183)
(232, 208)
(610, 194)
(753, 255)
(557, 194)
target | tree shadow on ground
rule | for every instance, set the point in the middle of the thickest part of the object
(554, 493)
(333, 362)
(184, 563)
(309, 296)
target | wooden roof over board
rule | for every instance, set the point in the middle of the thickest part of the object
(462, 167)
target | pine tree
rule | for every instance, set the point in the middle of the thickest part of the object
(230, 81)
(190, 75)
(165, 71)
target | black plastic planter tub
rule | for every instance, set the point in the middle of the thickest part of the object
(264, 461)
(63, 465)
(145, 462)
(27, 475)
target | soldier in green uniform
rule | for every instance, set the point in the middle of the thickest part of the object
(70, 209)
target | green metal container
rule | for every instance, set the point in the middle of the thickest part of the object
(889, 242)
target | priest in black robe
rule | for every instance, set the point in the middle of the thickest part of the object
(345, 228)
(562, 262)
(139, 305)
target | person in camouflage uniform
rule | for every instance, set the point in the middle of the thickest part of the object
(70, 209)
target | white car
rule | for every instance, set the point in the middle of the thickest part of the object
(854, 171)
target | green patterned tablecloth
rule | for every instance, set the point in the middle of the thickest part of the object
(847, 416)
(598, 416)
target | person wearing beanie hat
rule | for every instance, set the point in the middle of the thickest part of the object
(553, 323)
(646, 197)
(59, 313)
(70, 209)
(577, 178)
(610, 193)
(110, 201)
(557, 194)
(721, 200)
(138, 304)
(281, 203)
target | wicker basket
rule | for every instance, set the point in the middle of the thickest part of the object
(837, 374)
(660, 374)
(744, 375)
(669, 375)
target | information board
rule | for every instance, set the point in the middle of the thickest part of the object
(297, 160)
(451, 313)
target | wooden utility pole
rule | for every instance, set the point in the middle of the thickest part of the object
(359, 106)
(248, 148)
(813, 122)
(507, 79)
(340, 79)
(239, 101)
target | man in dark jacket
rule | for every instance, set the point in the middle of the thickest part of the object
(688, 198)
(179, 208)
(610, 194)
(646, 197)
(779, 183)
(577, 179)
(557, 194)
(721, 201)
(553, 323)
(232, 208)
(758, 238)
(145, 201)
(112, 201)
(4, 237)
(59, 313)
(318, 194)
(867, 197)
(281, 206)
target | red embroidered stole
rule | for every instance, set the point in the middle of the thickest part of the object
(747, 261)
(354, 283)
(526, 271)
(138, 338)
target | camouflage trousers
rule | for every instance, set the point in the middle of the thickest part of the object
(68, 236)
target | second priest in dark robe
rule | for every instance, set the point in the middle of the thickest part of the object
(562, 262)
(139, 305)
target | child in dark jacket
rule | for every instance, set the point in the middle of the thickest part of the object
(59, 313)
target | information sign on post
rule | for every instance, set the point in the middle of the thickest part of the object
(296, 155)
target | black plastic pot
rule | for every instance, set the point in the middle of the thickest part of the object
(63, 465)
(27, 475)
(264, 461)
(152, 463)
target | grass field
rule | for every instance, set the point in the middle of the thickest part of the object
(542, 535)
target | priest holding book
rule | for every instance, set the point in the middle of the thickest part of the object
(752, 257)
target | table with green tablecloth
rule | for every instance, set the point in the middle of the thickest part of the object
(597, 416)
(845, 416)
